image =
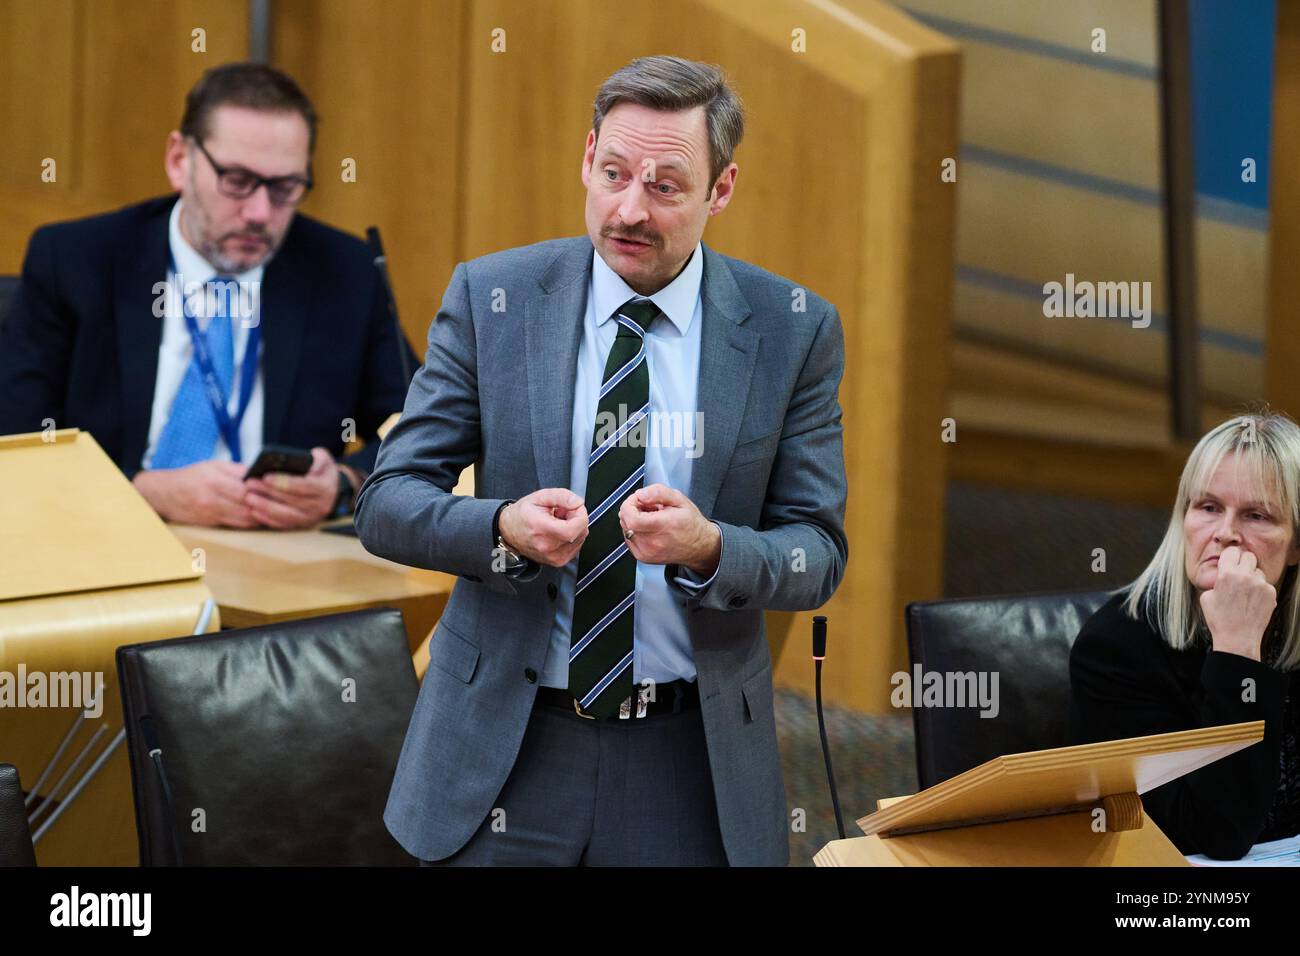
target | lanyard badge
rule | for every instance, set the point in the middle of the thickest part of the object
(212, 388)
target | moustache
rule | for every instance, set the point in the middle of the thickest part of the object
(632, 237)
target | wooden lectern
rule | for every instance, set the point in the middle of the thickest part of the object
(1072, 806)
(85, 566)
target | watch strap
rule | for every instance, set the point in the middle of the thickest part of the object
(496, 522)
(346, 497)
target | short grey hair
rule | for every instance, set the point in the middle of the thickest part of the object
(671, 83)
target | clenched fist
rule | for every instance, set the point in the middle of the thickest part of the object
(548, 526)
(667, 528)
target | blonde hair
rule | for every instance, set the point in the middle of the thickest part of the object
(1268, 444)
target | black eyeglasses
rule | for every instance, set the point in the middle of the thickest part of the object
(238, 183)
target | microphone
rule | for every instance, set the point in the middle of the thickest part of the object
(819, 655)
(381, 263)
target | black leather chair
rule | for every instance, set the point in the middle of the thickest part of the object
(15, 837)
(249, 738)
(1026, 639)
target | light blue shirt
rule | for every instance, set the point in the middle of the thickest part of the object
(661, 642)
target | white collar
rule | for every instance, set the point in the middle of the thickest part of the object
(676, 300)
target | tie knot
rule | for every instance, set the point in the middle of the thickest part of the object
(640, 313)
(221, 297)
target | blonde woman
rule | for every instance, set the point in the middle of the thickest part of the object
(1209, 634)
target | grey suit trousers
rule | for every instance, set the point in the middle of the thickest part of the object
(634, 792)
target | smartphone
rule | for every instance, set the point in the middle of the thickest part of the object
(290, 461)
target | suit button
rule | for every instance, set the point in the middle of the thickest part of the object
(530, 675)
(737, 602)
(552, 591)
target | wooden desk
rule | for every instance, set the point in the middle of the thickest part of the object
(264, 576)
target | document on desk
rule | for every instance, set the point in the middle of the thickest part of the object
(1274, 853)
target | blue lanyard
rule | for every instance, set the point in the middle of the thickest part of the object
(229, 427)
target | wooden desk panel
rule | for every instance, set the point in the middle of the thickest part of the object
(261, 577)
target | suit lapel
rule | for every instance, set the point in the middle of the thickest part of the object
(553, 323)
(285, 305)
(140, 267)
(727, 354)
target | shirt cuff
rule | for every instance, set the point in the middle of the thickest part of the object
(692, 581)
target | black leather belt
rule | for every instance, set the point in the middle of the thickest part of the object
(670, 698)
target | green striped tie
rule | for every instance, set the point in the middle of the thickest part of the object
(600, 642)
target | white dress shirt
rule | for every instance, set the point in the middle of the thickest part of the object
(176, 349)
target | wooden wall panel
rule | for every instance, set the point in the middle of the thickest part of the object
(39, 76)
(386, 82)
(137, 65)
(1282, 358)
(97, 85)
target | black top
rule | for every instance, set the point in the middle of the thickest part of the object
(1126, 681)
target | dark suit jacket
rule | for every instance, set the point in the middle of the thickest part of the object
(1126, 681)
(80, 344)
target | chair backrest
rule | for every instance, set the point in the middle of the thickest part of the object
(8, 288)
(271, 745)
(15, 836)
(1025, 640)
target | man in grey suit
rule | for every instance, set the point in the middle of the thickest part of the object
(656, 440)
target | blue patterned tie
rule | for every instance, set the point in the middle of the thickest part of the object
(600, 645)
(191, 431)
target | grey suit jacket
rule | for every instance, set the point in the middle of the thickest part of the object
(496, 391)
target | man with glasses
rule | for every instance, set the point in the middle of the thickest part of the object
(186, 332)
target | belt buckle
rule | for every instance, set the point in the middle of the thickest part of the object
(642, 695)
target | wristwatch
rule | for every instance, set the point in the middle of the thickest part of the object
(345, 500)
(514, 561)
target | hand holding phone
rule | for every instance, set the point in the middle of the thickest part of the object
(280, 458)
(281, 499)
